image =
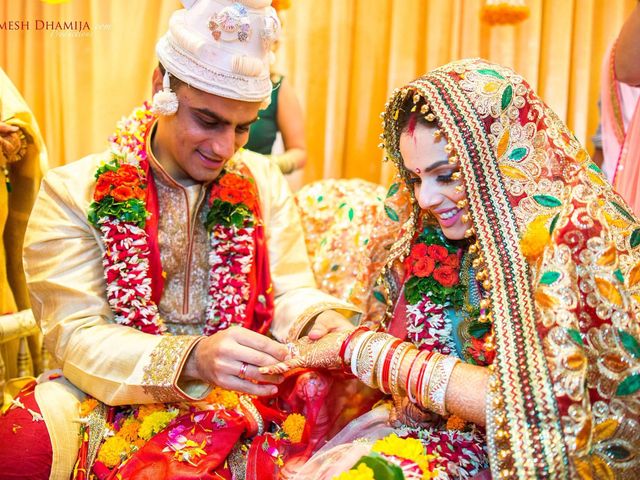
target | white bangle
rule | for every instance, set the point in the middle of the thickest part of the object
(356, 351)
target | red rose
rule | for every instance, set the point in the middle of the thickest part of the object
(423, 267)
(247, 198)
(437, 252)
(122, 193)
(452, 261)
(231, 196)
(127, 176)
(446, 276)
(138, 193)
(419, 250)
(235, 182)
(103, 187)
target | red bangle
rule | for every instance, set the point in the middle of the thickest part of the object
(385, 366)
(345, 344)
(421, 379)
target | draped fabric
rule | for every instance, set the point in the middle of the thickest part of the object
(343, 57)
(564, 391)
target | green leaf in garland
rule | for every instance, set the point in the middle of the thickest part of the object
(335, 267)
(619, 276)
(629, 385)
(547, 201)
(493, 73)
(630, 344)
(479, 329)
(382, 469)
(623, 211)
(575, 335)
(552, 227)
(517, 154)
(341, 205)
(320, 198)
(391, 213)
(507, 95)
(351, 214)
(379, 296)
(549, 277)
(393, 189)
(634, 240)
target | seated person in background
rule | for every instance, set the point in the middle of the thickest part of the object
(283, 115)
(156, 271)
(620, 112)
(511, 338)
(23, 160)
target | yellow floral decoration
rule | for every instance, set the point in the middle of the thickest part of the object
(293, 426)
(154, 423)
(224, 398)
(113, 451)
(362, 472)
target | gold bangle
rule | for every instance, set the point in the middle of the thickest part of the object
(423, 394)
(394, 367)
(371, 353)
(438, 384)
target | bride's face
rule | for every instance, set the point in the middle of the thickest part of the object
(431, 177)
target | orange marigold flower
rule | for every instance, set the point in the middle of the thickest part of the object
(129, 430)
(87, 406)
(149, 408)
(455, 423)
(122, 193)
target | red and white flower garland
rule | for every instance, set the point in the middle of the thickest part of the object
(230, 258)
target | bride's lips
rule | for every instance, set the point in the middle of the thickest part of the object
(449, 222)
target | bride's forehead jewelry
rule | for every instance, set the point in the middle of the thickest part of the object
(417, 170)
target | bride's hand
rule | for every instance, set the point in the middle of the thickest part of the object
(306, 353)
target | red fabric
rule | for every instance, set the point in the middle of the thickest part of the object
(151, 227)
(217, 431)
(25, 447)
(260, 303)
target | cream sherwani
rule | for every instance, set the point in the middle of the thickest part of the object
(120, 365)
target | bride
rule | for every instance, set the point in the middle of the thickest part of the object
(510, 342)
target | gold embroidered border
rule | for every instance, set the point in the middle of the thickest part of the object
(519, 455)
(165, 362)
(96, 422)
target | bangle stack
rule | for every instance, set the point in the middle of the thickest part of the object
(380, 360)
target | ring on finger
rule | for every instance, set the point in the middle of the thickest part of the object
(243, 371)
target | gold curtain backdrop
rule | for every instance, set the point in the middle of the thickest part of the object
(343, 58)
